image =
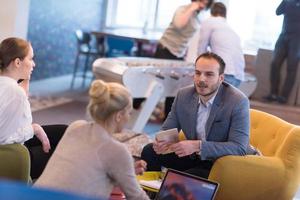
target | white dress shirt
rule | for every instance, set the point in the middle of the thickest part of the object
(222, 40)
(15, 113)
(202, 116)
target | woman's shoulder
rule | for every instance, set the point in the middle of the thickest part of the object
(12, 94)
(79, 124)
(11, 88)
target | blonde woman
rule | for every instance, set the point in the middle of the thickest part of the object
(16, 63)
(88, 160)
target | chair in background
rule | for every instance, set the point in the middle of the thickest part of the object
(84, 48)
(275, 175)
(117, 47)
(15, 162)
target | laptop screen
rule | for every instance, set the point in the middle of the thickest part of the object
(182, 186)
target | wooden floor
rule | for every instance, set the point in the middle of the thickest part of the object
(288, 113)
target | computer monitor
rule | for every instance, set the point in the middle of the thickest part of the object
(179, 185)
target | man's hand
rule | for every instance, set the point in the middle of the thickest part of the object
(195, 5)
(202, 4)
(160, 146)
(199, 5)
(186, 147)
(140, 167)
(42, 136)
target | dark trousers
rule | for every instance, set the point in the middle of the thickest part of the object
(163, 53)
(38, 157)
(287, 47)
(191, 164)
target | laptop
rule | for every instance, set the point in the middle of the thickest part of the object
(180, 185)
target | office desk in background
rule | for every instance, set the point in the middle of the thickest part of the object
(149, 38)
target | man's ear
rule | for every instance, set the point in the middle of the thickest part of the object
(222, 77)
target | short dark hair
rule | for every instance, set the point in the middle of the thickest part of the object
(210, 2)
(211, 55)
(218, 9)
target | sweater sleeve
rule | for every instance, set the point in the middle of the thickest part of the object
(121, 170)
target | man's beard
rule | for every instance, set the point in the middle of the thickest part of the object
(203, 85)
(212, 92)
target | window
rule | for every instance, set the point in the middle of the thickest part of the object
(165, 11)
(257, 26)
(149, 14)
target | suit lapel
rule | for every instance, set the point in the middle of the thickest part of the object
(194, 111)
(214, 110)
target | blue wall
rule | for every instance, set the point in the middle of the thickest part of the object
(51, 31)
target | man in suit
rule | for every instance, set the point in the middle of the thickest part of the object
(214, 117)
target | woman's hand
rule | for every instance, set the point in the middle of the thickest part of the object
(42, 136)
(140, 167)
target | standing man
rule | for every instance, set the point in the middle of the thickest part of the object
(214, 116)
(174, 42)
(287, 47)
(222, 40)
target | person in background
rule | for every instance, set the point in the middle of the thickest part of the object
(16, 65)
(174, 42)
(214, 117)
(216, 34)
(88, 160)
(287, 47)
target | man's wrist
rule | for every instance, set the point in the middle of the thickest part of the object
(198, 147)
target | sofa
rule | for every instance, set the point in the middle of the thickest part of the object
(273, 176)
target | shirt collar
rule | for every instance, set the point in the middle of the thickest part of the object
(210, 101)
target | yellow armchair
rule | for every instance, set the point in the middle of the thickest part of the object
(273, 176)
(15, 162)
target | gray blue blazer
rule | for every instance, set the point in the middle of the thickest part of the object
(227, 127)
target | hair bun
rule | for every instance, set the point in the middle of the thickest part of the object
(99, 91)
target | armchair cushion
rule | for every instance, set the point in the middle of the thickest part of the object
(15, 162)
(276, 175)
